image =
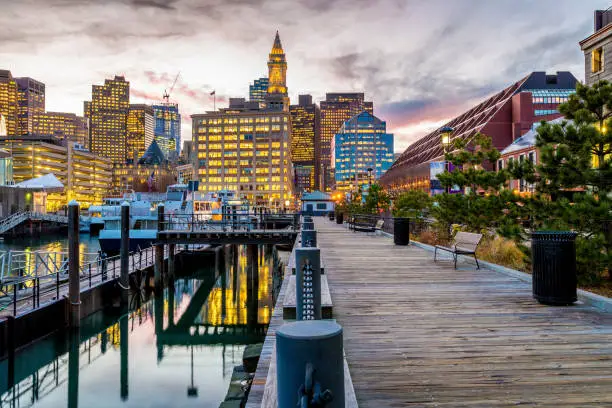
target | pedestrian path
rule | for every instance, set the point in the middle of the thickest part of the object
(419, 333)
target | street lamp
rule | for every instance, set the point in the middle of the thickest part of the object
(445, 139)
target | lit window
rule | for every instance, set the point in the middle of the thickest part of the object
(597, 60)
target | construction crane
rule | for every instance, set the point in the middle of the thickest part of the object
(166, 96)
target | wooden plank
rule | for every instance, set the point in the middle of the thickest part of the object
(419, 333)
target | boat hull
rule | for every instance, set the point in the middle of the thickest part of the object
(110, 241)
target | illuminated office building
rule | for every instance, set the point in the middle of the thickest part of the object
(86, 177)
(336, 109)
(140, 128)
(168, 129)
(9, 107)
(362, 143)
(107, 113)
(305, 128)
(245, 147)
(59, 126)
(258, 90)
(31, 101)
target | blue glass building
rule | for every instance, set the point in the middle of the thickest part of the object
(168, 129)
(362, 143)
(258, 89)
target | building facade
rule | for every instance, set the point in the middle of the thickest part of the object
(305, 134)
(86, 177)
(107, 113)
(277, 98)
(504, 117)
(258, 90)
(361, 144)
(140, 131)
(168, 129)
(31, 100)
(597, 49)
(336, 109)
(61, 126)
(9, 106)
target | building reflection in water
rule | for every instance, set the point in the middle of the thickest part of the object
(227, 306)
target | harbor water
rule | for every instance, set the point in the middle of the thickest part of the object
(176, 349)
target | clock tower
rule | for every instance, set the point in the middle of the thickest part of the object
(277, 77)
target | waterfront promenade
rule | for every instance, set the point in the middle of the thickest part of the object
(419, 333)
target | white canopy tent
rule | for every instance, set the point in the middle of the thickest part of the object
(48, 183)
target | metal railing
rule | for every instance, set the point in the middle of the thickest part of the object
(417, 225)
(13, 220)
(230, 222)
(25, 291)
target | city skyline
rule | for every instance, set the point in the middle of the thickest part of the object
(418, 74)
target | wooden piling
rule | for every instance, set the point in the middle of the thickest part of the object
(74, 285)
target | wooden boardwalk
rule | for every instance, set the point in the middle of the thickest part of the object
(419, 333)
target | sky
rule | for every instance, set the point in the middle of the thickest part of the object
(421, 62)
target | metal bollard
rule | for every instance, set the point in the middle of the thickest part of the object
(309, 238)
(308, 283)
(310, 365)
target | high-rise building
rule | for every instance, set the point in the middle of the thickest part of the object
(168, 129)
(245, 149)
(361, 144)
(276, 98)
(336, 109)
(31, 100)
(58, 126)
(140, 128)
(187, 152)
(597, 49)
(305, 134)
(107, 113)
(9, 107)
(504, 117)
(258, 90)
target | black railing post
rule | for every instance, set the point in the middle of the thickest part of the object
(159, 248)
(125, 252)
(74, 281)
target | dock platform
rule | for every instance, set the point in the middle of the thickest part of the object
(419, 333)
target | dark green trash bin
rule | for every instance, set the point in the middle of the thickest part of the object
(339, 218)
(401, 231)
(554, 267)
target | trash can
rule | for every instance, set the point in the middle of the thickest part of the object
(332, 216)
(554, 267)
(401, 231)
(339, 218)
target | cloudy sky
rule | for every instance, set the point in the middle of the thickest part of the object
(421, 62)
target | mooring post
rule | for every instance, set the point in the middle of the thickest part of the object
(309, 238)
(171, 263)
(73, 366)
(125, 252)
(124, 335)
(308, 224)
(11, 346)
(310, 364)
(74, 285)
(308, 283)
(159, 249)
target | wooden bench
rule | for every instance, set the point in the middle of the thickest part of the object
(465, 243)
(368, 227)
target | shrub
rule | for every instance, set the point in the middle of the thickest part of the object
(503, 252)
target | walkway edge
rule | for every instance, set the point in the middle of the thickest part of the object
(585, 297)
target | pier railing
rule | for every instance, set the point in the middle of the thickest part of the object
(26, 283)
(230, 222)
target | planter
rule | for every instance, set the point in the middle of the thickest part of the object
(339, 218)
(401, 231)
(554, 267)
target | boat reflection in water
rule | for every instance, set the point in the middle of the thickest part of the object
(177, 349)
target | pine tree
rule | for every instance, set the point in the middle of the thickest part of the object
(574, 178)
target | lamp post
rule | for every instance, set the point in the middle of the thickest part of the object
(445, 139)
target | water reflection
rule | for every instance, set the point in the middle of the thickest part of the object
(175, 349)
